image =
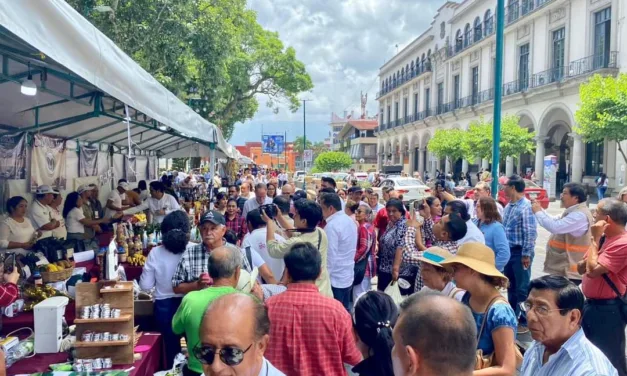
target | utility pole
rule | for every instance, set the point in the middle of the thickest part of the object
(498, 87)
(304, 138)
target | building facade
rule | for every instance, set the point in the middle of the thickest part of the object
(357, 139)
(286, 160)
(445, 79)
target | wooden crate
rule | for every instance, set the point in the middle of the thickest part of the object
(87, 294)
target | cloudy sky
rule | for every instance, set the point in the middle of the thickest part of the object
(342, 43)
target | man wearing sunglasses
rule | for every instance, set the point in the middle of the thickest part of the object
(224, 269)
(235, 346)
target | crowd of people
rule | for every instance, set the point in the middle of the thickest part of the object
(293, 272)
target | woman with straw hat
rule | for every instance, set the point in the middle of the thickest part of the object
(474, 271)
(435, 276)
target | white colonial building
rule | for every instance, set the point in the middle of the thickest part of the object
(445, 79)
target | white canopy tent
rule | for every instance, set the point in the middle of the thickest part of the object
(84, 82)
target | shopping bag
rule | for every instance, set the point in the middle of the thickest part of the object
(394, 292)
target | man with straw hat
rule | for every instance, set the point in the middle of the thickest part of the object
(474, 270)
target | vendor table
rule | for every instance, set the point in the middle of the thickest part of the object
(27, 319)
(151, 361)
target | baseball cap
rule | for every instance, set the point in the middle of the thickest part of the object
(84, 188)
(214, 217)
(355, 189)
(124, 185)
(44, 189)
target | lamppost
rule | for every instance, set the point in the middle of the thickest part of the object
(304, 139)
(498, 86)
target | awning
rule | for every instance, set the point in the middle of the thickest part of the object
(84, 81)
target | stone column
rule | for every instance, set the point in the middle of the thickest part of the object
(540, 159)
(379, 161)
(465, 166)
(509, 166)
(412, 167)
(485, 164)
(421, 162)
(447, 166)
(578, 157)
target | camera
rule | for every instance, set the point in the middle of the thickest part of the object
(269, 209)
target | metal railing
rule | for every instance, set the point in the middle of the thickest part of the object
(548, 76)
(591, 63)
(408, 76)
(514, 87)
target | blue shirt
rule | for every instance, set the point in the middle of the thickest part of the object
(495, 238)
(500, 315)
(520, 226)
(576, 357)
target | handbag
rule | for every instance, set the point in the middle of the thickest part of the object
(487, 361)
(623, 299)
(360, 270)
(394, 292)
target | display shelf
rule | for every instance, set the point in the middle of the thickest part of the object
(114, 290)
(122, 318)
(101, 343)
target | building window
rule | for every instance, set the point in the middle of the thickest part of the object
(440, 104)
(523, 68)
(478, 31)
(406, 110)
(559, 37)
(467, 36)
(381, 120)
(602, 28)
(475, 85)
(459, 41)
(527, 6)
(416, 106)
(488, 19)
(396, 113)
(456, 91)
(594, 159)
(512, 11)
(427, 102)
(389, 117)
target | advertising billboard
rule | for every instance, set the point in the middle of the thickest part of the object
(273, 144)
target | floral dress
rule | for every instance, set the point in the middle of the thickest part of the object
(392, 239)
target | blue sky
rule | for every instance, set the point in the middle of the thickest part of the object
(342, 43)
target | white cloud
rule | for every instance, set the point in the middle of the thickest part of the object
(342, 43)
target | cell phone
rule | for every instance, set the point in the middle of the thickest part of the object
(9, 263)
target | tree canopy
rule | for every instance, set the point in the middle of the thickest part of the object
(448, 143)
(602, 113)
(213, 52)
(515, 140)
(332, 161)
(317, 147)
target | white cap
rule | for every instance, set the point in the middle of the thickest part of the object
(44, 189)
(124, 185)
(84, 188)
(247, 280)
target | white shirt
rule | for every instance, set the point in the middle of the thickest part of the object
(256, 240)
(158, 271)
(61, 231)
(13, 231)
(342, 236)
(575, 223)
(376, 209)
(74, 226)
(116, 199)
(267, 369)
(40, 216)
(167, 203)
(252, 204)
(473, 234)
(144, 195)
(448, 290)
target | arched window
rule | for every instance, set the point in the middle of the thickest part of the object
(419, 63)
(489, 22)
(413, 71)
(478, 33)
(402, 75)
(459, 41)
(467, 36)
(407, 70)
(429, 53)
(512, 11)
(428, 62)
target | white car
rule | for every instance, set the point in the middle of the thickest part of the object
(411, 188)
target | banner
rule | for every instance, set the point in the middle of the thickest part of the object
(48, 164)
(13, 157)
(273, 144)
(131, 169)
(88, 161)
(152, 168)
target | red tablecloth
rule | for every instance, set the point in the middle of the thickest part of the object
(151, 361)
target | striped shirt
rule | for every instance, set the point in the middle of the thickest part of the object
(520, 226)
(576, 357)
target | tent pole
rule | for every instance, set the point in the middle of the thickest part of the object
(212, 169)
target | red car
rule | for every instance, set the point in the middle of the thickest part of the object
(532, 192)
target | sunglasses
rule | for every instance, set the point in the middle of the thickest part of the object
(231, 356)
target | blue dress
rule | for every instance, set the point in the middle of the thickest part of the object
(501, 314)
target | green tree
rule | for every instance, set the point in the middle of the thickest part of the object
(212, 51)
(179, 164)
(448, 143)
(298, 144)
(602, 113)
(332, 161)
(515, 140)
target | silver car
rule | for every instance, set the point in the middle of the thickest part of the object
(411, 188)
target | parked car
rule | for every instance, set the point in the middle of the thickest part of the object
(411, 188)
(532, 192)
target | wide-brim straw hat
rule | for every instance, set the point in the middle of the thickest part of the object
(476, 256)
(434, 256)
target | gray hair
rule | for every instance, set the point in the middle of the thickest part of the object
(368, 210)
(224, 267)
(615, 209)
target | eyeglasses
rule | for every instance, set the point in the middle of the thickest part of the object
(231, 356)
(538, 309)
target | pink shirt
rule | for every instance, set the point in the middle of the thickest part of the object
(613, 256)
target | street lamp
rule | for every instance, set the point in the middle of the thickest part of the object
(304, 139)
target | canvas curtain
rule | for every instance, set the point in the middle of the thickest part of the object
(48, 162)
(88, 161)
(13, 157)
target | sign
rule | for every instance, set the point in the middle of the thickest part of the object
(273, 144)
(48, 162)
(550, 175)
(13, 157)
(308, 155)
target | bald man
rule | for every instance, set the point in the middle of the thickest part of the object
(224, 269)
(415, 353)
(287, 190)
(243, 338)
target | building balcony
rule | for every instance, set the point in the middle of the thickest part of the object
(407, 77)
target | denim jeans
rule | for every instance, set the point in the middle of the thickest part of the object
(164, 312)
(519, 278)
(601, 192)
(343, 295)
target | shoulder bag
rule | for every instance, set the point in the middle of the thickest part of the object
(623, 299)
(487, 361)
